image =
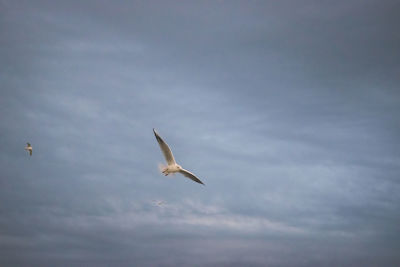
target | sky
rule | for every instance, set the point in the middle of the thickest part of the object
(288, 111)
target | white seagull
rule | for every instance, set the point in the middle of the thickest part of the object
(159, 203)
(172, 167)
(29, 148)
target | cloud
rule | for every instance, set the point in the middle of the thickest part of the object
(287, 111)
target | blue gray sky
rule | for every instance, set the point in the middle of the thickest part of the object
(288, 111)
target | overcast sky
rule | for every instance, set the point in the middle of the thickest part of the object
(288, 111)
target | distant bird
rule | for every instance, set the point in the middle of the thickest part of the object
(172, 167)
(29, 148)
(159, 203)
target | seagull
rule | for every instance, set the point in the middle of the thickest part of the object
(172, 167)
(159, 203)
(29, 148)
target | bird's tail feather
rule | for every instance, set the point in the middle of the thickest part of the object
(161, 166)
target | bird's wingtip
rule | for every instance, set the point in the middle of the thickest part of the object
(156, 134)
(200, 182)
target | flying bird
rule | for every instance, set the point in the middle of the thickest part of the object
(29, 148)
(172, 167)
(159, 203)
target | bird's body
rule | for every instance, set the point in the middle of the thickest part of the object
(171, 169)
(172, 166)
(29, 148)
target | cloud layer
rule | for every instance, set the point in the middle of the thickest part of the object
(287, 111)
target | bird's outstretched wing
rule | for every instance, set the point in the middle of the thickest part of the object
(190, 175)
(165, 149)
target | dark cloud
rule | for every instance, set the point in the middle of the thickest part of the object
(288, 111)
